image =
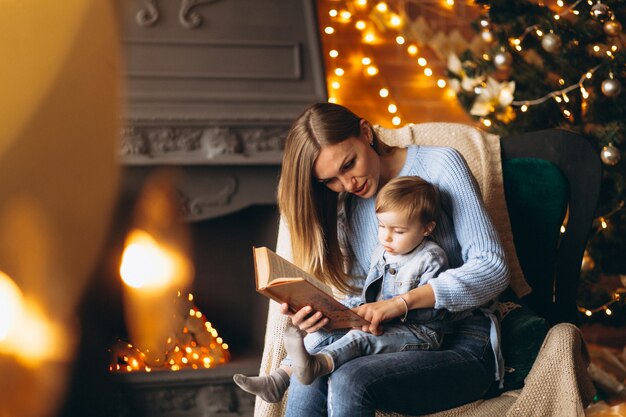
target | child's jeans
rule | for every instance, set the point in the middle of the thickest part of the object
(345, 345)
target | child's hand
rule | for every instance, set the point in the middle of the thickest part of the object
(378, 312)
(305, 319)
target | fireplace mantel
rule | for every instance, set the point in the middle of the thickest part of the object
(212, 88)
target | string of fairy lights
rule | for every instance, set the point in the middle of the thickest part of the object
(377, 24)
(551, 43)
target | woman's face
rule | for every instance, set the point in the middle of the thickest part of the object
(350, 166)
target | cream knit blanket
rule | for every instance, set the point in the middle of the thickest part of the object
(562, 390)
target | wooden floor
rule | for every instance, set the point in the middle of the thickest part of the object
(416, 95)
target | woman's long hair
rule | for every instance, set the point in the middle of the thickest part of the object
(308, 207)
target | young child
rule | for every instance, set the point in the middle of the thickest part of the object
(407, 209)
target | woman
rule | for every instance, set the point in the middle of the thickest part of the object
(331, 153)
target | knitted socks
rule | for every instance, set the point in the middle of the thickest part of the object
(270, 388)
(307, 367)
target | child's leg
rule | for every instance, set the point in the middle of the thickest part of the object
(307, 367)
(270, 388)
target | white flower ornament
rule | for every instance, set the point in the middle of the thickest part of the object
(494, 95)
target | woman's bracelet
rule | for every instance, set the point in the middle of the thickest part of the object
(406, 307)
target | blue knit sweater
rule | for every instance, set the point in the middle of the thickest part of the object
(478, 272)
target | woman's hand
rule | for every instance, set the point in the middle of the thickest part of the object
(305, 319)
(379, 312)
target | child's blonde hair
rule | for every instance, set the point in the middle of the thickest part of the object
(414, 196)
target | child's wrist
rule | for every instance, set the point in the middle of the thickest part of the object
(405, 305)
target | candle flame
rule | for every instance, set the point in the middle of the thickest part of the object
(147, 264)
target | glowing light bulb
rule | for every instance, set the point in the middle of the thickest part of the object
(369, 37)
(428, 72)
(332, 13)
(372, 70)
(383, 92)
(441, 83)
(588, 313)
(395, 21)
(335, 85)
(392, 108)
(333, 53)
(412, 49)
(400, 40)
(422, 61)
(339, 72)
(396, 121)
(382, 7)
(366, 61)
(608, 311)
(345, 15)
(360, 25)
(487, 122)
(329, 30)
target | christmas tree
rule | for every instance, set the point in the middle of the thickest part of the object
(549, 65)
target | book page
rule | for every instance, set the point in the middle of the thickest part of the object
(281, 268)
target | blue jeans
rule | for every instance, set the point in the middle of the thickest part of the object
(397, 337)
(410, 382)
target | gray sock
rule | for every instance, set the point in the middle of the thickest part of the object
(307, 367)
(270, 388)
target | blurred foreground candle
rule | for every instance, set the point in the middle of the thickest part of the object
(26, 332)
(59, 129)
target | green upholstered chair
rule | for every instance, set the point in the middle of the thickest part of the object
(550, 176)
(547, 175)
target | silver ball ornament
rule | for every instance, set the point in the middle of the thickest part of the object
(612, 28)
(600, 11)
(610, 155)
(502, 60)
(611, 87)
(550, 42)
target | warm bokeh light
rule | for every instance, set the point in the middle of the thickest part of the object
(26, 331)
(11, 300)
(193, 344)
(147, 264)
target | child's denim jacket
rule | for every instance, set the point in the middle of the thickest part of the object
(386, 280)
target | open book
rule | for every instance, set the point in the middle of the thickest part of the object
(284, 282)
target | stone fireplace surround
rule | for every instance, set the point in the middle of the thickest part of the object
(212, 87)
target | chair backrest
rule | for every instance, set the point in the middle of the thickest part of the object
(549, 175)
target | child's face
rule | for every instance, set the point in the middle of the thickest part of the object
(400, 234)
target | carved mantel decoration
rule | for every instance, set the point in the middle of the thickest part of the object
(149, 14)
(193, 145)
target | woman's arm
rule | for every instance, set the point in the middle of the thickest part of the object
(483, 274)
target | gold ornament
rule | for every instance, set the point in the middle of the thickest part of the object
(612, 28)
(610, 155)
(502, 60)
(611, 87)
(551, 42)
